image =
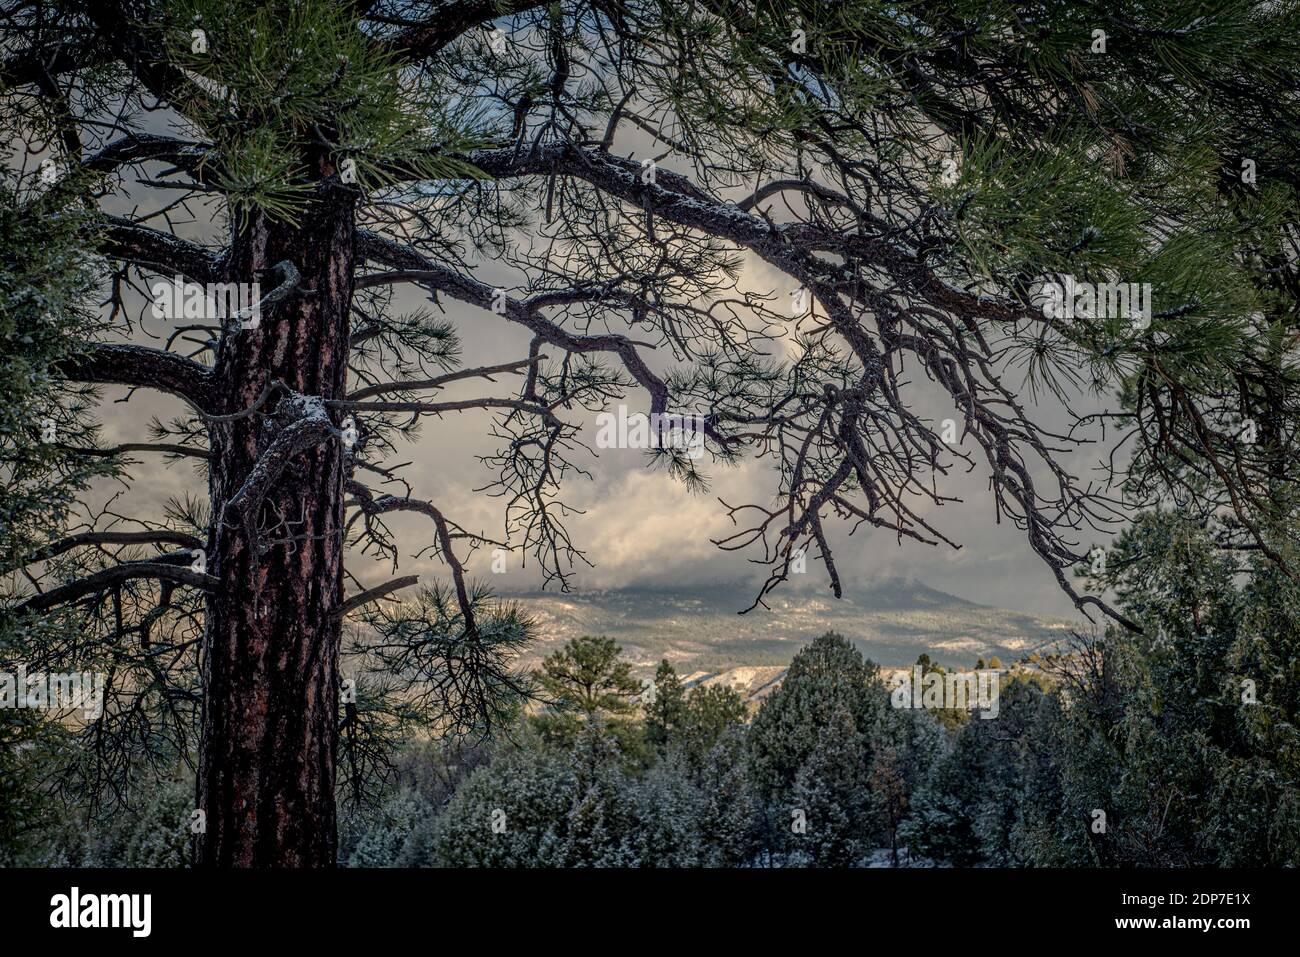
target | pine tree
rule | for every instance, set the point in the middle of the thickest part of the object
(588, 685)
(833, 796)
(828, 678)
(731, 821)
(665, 714)
(890, 787)
(710, 712)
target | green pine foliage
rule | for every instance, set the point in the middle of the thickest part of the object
(1183, 736)
(45, 282)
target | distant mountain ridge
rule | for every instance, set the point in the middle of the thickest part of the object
(698, 628)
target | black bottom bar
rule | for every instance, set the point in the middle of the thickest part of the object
(945, 908)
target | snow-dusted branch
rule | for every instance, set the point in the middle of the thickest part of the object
(310, 426)
(132, 365)
(164, 253)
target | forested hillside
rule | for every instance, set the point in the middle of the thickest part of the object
(1177, 747)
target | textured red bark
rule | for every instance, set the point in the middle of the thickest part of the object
(270, 662)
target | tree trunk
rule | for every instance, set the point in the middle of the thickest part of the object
(271, 643)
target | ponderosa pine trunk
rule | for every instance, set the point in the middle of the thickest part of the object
(271, 645)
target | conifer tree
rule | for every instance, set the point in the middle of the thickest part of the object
(666, 712)
(587, 684)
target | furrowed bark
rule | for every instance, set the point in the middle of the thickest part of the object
(270, 664)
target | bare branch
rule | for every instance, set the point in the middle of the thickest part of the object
(187, 451)
(112, 577)
(123, 364)
(162, 252)
(81, 539)
(415, 385)
(379, 591)
(450, 20)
